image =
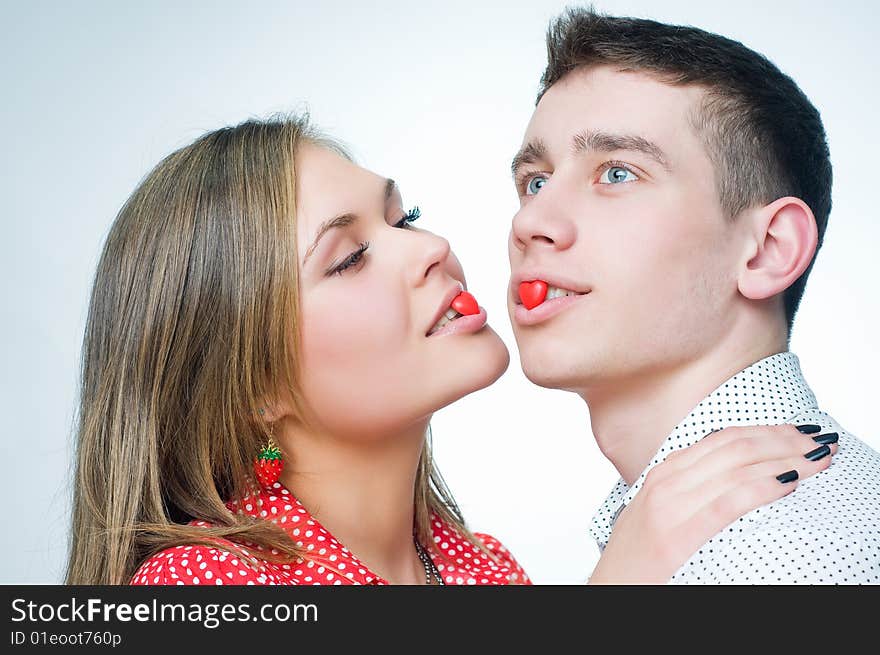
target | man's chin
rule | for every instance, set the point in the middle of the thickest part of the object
(553, 375)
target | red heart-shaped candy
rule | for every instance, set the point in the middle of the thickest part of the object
(532, 293)
(464, 303)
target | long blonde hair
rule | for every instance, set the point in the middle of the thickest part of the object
(192, 324)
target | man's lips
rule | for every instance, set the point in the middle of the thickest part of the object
(546, 310)
(551, 279)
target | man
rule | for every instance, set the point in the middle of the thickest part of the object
(675, 187)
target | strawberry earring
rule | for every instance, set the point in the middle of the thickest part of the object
(269, 461)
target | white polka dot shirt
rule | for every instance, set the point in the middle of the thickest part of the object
(825, 532)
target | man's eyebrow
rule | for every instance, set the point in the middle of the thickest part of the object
(344, 220)
(533, 151)
(607, 142)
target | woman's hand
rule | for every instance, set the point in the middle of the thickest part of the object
(697, 492)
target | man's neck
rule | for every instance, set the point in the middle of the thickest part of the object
(631, 419)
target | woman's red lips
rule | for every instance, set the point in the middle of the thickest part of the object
(532, 293)
(468, 324)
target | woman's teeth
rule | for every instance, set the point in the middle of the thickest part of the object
(556, 292)
(450, 315)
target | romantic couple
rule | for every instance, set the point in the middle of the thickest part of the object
(270, 333)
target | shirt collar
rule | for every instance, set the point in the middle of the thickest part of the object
(457, 559)
(773, 386)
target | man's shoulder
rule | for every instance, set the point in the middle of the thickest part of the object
(853, 476)
(842, 500)
(826, 531)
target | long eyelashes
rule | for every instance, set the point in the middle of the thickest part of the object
(349, 261)
(355, 257)
(409, 217)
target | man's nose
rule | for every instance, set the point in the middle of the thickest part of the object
(543, 222)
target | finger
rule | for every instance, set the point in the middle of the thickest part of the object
(746, 452)
(743, 482)
(686, 457)
(719, 438)
(735, 501)
(741, 447)
(806, 466)
(724, 509)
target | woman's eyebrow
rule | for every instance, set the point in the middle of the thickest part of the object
(344, 220)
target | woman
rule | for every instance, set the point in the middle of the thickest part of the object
(259, 288)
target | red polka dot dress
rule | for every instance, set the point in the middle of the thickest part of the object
(327, 562)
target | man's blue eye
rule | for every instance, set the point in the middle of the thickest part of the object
(616, 175)
(534, 184)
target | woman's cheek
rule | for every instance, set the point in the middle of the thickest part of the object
(343, 330)
(357, 359)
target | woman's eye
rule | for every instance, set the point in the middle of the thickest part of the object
(353, 259)
(616, 175)
(534, 184)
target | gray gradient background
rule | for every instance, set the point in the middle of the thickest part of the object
(95, 93)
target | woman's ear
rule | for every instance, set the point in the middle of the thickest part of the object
(269, 413)
(784, 238)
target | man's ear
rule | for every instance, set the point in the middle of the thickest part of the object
(783, 238)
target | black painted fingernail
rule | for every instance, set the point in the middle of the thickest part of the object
(809, 429)
(818, 454)
(831, 437)
(788, 476)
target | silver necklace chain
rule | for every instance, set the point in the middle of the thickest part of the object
(430, 569)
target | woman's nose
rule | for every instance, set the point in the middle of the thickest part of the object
(433, 254)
